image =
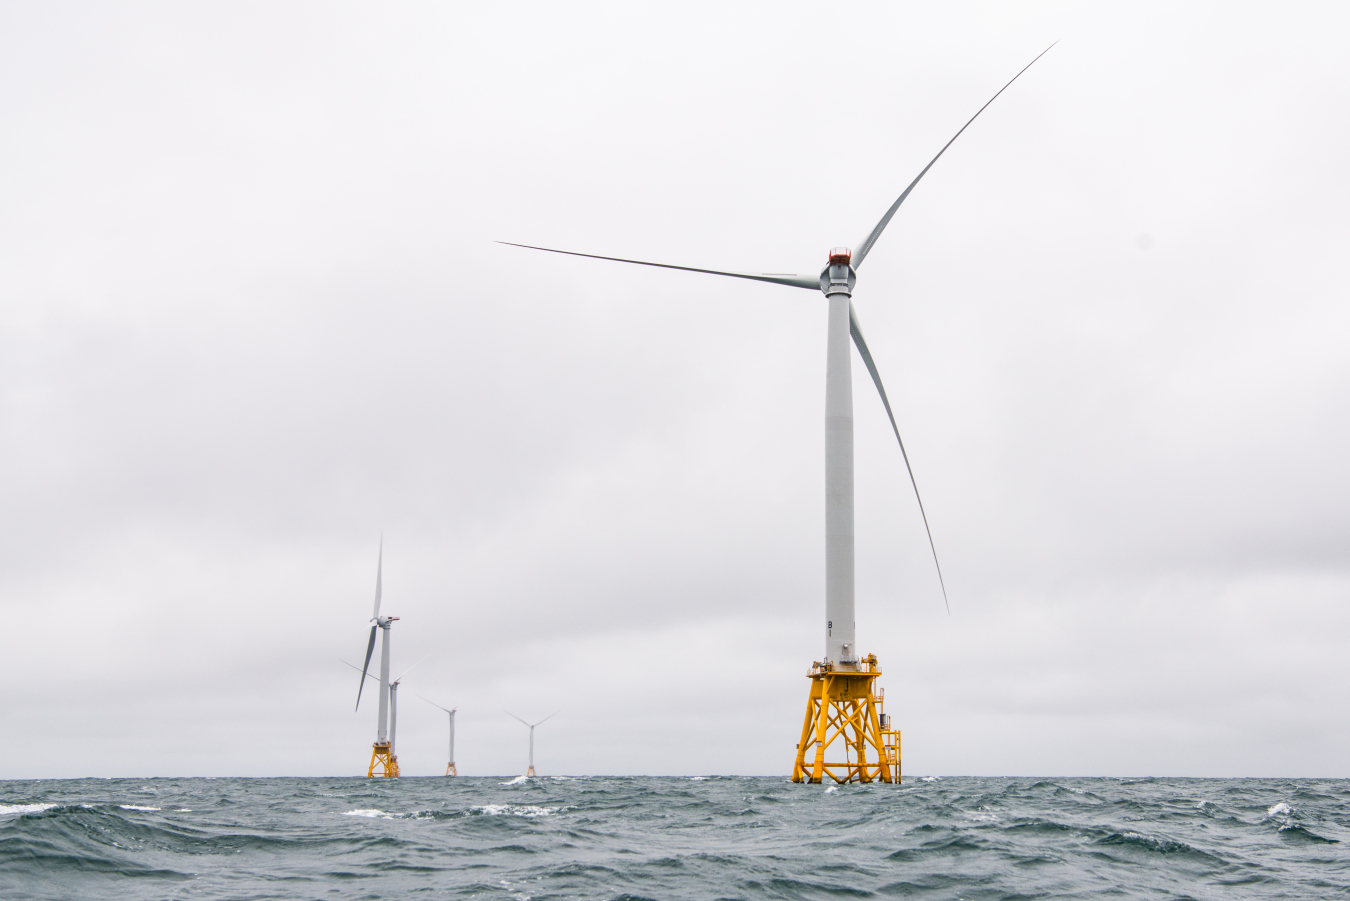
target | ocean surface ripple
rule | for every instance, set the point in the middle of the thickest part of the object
(674, 838)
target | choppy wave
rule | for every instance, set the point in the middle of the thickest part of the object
(6, 809)
(490, 810)
(513, 810)
(1281, 815)
(369, 812)
(688, 838)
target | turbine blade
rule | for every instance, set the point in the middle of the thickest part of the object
(861, 253)
(514, 717)
(434, 704)
(777, 278)
(409, 669)
(371, 676)
(549, 717)
(379, 579)
(370, 649)
(856, 330)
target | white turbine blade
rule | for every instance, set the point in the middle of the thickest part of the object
(513, 716)
(876, 377)
(777, 278)
(358, 669)
(409, 669)
(861, 253)
(434, 704)
(379, 579)
(549, 717)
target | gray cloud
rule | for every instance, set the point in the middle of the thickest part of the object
(251, 316)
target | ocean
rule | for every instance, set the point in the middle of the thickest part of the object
(673, 838)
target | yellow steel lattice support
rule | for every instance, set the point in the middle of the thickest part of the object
(843, 713)
(890, 738)
(382, 756)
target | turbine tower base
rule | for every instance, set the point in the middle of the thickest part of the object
(383, 757)
(845, 707)
(530, 772)
(450, 769)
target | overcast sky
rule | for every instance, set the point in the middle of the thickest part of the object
(252, 316)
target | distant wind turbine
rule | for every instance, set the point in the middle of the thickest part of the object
(449, 767)
(382, 755)
(841, 703)
(530, 771)
(393, 702)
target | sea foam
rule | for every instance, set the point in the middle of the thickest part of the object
(6, 809)
(514, 811)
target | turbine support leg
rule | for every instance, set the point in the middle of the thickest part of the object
(450, 769)
(845, 709)
(382, 757)
(822, 728)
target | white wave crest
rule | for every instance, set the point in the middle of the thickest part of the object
(6, 809)
(135, 807)
(698, 778)
(516, 781)
(1279, 810)
(932, 778)
(494, 810)
(369, 812)
(832, 789)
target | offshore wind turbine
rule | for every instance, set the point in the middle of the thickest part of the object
(382, 754)
(530, 771)
(393, 711)
(842, 703)
(449, 767)
(393, 703)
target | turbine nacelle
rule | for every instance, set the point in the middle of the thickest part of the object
(838, 276)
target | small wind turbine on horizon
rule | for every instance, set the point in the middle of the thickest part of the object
(842, 703)
(530, 771)
(382, 754)
(449, 767)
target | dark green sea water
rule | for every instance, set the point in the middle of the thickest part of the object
(674, 838)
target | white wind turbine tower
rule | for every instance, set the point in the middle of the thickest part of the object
(382, 754)
(449, 767)
(530, 771)
(843, 703)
